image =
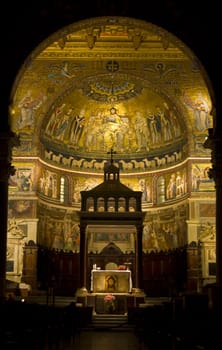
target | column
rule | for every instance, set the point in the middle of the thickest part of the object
(7, 141)
(214, 142)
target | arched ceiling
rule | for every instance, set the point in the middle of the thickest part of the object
(111, 82)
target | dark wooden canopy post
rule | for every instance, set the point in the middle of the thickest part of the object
(83, 256)
(139, 256)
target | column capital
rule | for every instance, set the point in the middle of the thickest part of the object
(8, 140)
(214, 142)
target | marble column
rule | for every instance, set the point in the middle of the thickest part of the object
(214, 142)
(8, 140)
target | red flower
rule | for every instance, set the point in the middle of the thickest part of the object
(109, 298)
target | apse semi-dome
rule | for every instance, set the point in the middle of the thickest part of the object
(112, 83)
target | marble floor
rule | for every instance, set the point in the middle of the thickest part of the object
(107, 332)
(106, 340)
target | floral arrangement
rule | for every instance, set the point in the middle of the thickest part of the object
(109, 298)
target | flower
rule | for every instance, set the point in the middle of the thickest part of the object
(109, 298)
(109, 301)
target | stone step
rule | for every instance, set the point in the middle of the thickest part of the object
(110, 318)
(110, 321)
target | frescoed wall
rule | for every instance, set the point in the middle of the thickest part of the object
(200, 177)
(165, 229)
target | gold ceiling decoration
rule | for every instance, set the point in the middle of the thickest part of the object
(112, 88)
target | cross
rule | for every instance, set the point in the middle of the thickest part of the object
(111, 152)
(112, 66)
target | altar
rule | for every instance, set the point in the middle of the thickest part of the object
(111, 281)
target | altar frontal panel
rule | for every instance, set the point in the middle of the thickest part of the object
(111, 281)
